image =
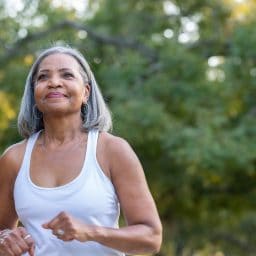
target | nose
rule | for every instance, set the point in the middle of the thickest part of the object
(54, 81)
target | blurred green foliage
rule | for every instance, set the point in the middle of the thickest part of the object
(180, 79)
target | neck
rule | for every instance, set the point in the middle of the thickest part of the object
(61, 130)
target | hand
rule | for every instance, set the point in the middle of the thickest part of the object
(68, 228)
(16, 242)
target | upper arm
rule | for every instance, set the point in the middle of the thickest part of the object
(9, 166)
(128, 177)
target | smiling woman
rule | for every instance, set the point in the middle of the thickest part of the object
(95, 113)
(60, 87)
(68, 179)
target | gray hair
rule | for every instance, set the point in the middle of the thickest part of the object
(95, 115)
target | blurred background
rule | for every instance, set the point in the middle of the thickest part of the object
(180, 80)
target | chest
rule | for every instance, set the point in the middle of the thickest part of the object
(53, 168)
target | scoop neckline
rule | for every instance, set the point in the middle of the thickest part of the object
(68, 184)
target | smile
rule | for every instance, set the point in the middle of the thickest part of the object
(55, 95)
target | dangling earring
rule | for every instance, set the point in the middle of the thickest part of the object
(84, 111)
(36, 113)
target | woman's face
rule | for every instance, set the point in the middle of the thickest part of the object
(59, 85)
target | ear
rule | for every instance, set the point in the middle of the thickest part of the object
(86, 95)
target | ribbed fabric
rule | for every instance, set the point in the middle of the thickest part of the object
(90, 197)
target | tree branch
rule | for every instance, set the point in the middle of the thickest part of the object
(14, 49)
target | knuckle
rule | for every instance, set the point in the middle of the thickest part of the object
(30, 243)
(22, 229)
(14, 234)
(19, 251)
(50, 225)
(63, 213)
(24, 249)
(7, 240)
(69, 221)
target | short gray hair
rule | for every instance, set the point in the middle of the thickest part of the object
(95, 116)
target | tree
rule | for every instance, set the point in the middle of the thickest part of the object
(179, 77)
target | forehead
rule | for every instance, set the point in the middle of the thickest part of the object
(59, 61)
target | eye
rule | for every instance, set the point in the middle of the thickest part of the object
(42, 77)
(68, 75)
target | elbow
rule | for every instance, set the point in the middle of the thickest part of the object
(156, 239)
(150, 242)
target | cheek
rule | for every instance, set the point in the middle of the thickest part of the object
(78, 92)
(37, 92)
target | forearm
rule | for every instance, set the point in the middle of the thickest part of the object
(135, 239)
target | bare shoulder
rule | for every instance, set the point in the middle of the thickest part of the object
(116, 148)
(114, 143)
(119, 155)
(11, 159)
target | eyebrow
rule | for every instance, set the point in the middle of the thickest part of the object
(48, 70)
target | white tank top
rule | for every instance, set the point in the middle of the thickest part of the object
(90, 197)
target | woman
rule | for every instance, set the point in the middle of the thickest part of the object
(66, 180)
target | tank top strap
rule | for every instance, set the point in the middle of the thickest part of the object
(92, 146)
(28, 151)
(92, 159)
(93, 140)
